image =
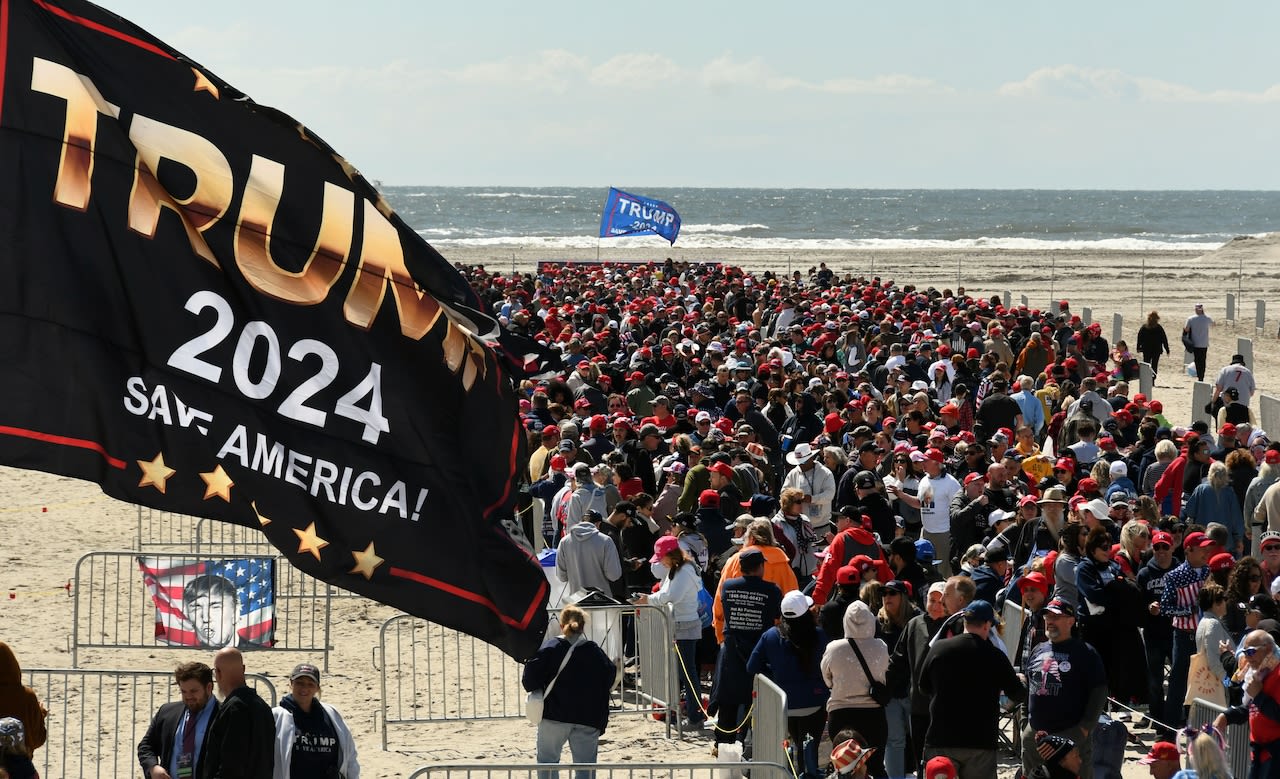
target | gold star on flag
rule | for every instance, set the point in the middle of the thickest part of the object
(261, 519)
(217, 482)
(308, 541)
(155, 473)
(203, 84)
(366, 562)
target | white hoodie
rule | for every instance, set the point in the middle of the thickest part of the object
(850, 688)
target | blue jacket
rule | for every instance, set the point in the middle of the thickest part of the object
(581, 693)
(1209, 505)
(774, 657)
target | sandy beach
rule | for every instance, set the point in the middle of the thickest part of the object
(48, 522)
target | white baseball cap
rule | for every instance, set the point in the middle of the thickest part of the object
(795, 603)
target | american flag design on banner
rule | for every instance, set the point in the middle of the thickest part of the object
(212, 603)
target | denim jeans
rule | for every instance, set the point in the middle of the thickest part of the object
(582, 739)
(1184, 646)
(687, 654)
(898, 714)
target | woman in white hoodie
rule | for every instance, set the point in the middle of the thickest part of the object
(851, 704)
(311, 737)
(680, 584)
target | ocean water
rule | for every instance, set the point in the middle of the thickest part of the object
(796, 219)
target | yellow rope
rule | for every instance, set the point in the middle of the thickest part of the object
(697, 688)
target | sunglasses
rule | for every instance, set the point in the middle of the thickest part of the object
(1159, 547)
(1249, 651)
(1271, 548)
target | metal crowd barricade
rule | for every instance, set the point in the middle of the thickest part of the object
(230, 539)
(431, 674)
(97, 718)
(769, 722)
(1238, 754)
(113, 609)
(165, 530)
(604, 770)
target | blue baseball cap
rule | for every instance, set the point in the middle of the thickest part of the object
(925, 551)
(979, 612)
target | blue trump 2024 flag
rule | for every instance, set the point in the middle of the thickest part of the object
(627, 214)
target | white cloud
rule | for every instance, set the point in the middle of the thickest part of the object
(627, 69)
(554, 69)
(724, 72)
(1077, 82)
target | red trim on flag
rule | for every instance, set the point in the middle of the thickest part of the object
(60, 440)
(414, 576)
(4, 47)
(105, 30)
(511, 469)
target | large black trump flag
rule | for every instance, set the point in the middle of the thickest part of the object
(205, 310)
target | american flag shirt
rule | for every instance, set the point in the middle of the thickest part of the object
(1180, 599)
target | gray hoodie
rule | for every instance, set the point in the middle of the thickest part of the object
(587, 558)
(850, 688)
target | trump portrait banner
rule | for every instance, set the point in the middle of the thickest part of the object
(212, 603)
(627, 214)
(207, 311)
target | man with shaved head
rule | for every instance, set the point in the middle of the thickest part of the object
(240, 742)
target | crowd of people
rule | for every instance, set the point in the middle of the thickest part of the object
(912, 509)
(200, 735)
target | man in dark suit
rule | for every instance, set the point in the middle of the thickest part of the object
(172, 745)
(241, 738)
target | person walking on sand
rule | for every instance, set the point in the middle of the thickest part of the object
(576, 708)
(1152, 341)
(1197, 328)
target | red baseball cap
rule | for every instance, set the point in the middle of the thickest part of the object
(709, 497)
(1223, 561)
(1161, 750)
(940, 768)
(971, 478)
(1196, 540)
(935, 454)
(832, 423)
(1065, 462)
(724, 469)
(1034, 580)
(1161, 537)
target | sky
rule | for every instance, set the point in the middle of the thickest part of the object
(848, 94)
